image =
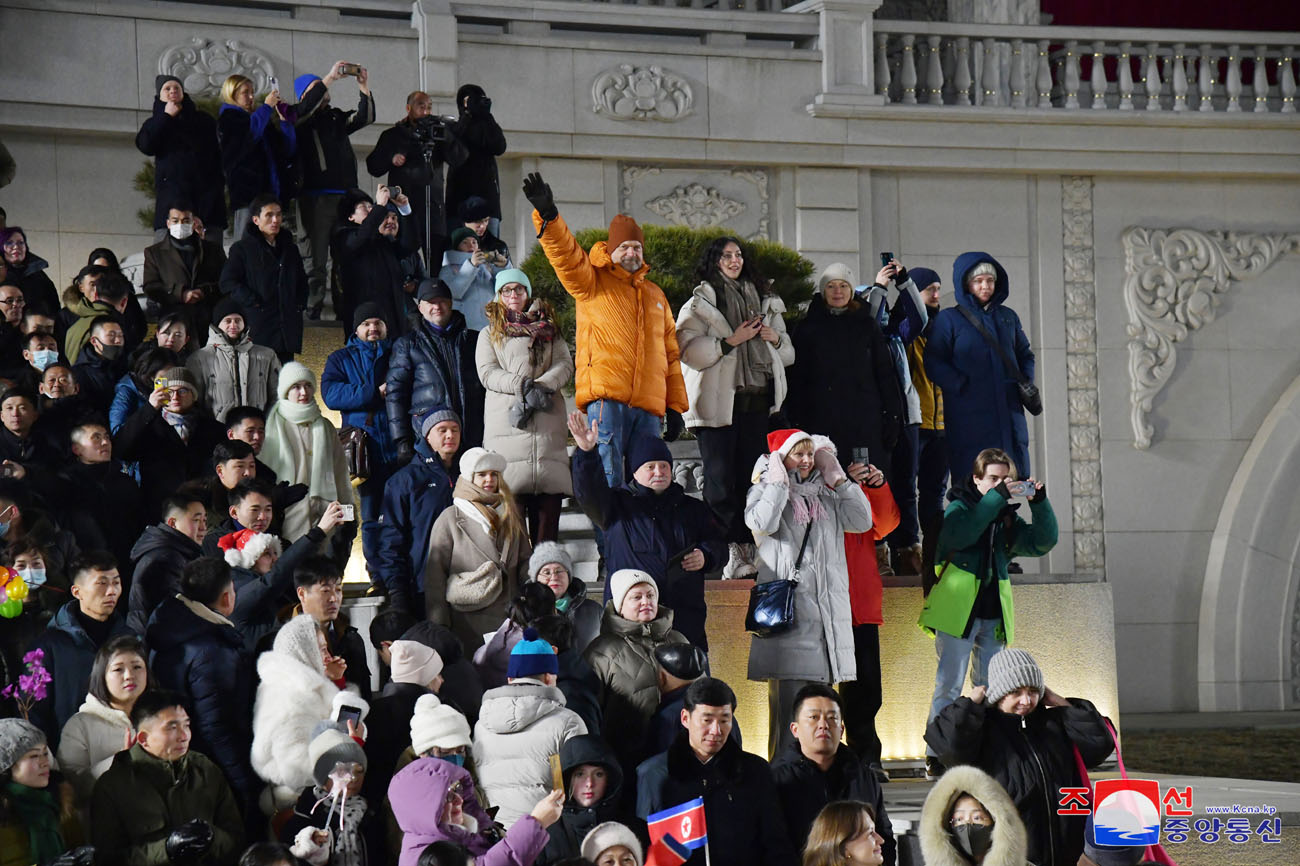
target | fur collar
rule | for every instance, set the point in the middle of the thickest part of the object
(1009, 840)
(93, 706)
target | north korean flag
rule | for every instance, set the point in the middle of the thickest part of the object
(685, 823)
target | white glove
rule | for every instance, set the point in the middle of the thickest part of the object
(829, 467)
(306, 846)
(776, 473)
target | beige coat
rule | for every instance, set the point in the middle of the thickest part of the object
(240, 375)
(538, 460)
(710, 374)
(481, 577)
(89, 742)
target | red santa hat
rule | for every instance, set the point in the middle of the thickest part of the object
(243, 548)
(782, 442)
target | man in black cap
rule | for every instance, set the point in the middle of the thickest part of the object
(431, 366)
(370, 240)
(353, 383)
(680, 664)
(233, 370)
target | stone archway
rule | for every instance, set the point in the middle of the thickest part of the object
(1249, 639)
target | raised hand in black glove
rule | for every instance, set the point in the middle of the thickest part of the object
(673, 425)
(189, 842)
(83, 856)
(900, 275)
(538, 193)
(405, 451)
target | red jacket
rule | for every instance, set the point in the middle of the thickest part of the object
(860, 551)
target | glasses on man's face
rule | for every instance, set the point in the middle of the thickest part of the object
(15, 243)
(13, 302)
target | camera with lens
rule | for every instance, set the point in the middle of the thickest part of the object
(430, 129)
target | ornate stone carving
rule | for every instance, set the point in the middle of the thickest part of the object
(202, 65)
(695, 206)
(629, 92)
(1081, 374)
(1173, 282)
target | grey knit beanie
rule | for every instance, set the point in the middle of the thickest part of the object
(1009, 670)
(547, 552)
(330, 745)
(17, 738)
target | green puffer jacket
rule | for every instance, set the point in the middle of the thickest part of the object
(980, 535)
(623, 656)
(141, 799)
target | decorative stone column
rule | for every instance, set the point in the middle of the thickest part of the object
(435, 25)
(846, 38)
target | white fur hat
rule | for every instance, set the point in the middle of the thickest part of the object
(481, 460)
(435, 724)
(609, 835)
(623, 580)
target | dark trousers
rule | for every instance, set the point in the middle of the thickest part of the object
(931, 484)
(863, 697)
(372, 500)
(902, 483)
(728, 454)
(542, 511)
(318, 214)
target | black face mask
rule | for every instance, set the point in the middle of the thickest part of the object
(110, 353)
(974, 840)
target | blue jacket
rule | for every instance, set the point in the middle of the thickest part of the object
(351, 383)
(981, 403)
(69, 656)
(413, 498)
(205, 660)
(431, 368)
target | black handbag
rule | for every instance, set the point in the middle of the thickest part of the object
(771, 604)
(1030, 397)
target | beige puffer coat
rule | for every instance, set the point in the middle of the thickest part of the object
(538, 461)
(90, 741)
(240, 375)
(623, 656)
(710, 373)
(937, 846)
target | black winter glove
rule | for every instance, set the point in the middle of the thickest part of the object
(189, 842)
(537, 397)
(673, 425)
(1039, 495)
(405, 452)
(83, 856)
(286, 494)
(901, 276)
(538, 193)
(519, 414)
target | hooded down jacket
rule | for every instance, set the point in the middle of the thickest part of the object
(1032, 757)
(576, 821)
(520, 725)
(627, 341)
(623, 657)
(537, 454)
(292, 698)
(938, 847)
(243, 374)
(417, 795)
(820, 646)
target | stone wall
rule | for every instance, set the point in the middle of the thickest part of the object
(683, 116)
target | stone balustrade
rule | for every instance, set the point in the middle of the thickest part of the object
(922, 63)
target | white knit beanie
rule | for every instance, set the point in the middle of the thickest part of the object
(435, 724)
(1009, 670)
(291, 374)
(835, 271)
(297, 639)
(413, 662)
(481, 460)
(623, 580)
(608, 835)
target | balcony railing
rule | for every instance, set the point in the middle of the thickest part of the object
(918, 63)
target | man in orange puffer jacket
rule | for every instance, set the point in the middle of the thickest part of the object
(628, 374)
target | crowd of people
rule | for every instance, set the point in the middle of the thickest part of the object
(177, 514)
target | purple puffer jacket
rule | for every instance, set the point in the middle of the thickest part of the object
(418, 793)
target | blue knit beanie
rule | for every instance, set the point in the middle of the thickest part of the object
(645, 449)
(302, 82)
(532, 657)
(923, 277)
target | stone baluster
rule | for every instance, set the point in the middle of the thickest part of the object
(961, 73)
(907, 73)
(1070, 77)
(1017, 82)
(1125, 76)
(1259, 83)
(1286, 79)
(882, 66)
(1097, 79)
(1044, 77)
(1152, 77)
(934, 71)
(977, 71)
(1233, 79)
(1180, 77)
(991, 76)
(1205, 77)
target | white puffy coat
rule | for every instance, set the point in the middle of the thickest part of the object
(89, 742)
(710, 374)
(520, 726)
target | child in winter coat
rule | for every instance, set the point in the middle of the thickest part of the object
(329, 829)
(434, 801)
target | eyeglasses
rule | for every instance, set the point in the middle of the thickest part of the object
(514, 290)
(977, 819)
(15, 243)
(13, 302)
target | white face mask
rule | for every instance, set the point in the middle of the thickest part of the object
(180, 231)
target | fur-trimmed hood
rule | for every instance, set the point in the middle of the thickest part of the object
(1009, 839)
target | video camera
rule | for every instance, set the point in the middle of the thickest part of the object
(431, 129)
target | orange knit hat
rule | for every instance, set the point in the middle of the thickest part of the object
(623, 228)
